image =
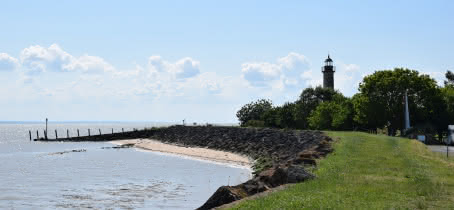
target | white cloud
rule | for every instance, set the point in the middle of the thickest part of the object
(8, 63)
(437, 75)
(40, 59)
(287, 71)
(88, 63)
(292, 73)
(347, 78)
(260, 74)
(294, 61)
(312, 78)
(186, 68)
(182, 69)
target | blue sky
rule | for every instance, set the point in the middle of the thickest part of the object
(202, 60)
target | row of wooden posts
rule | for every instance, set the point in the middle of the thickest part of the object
(67, 133)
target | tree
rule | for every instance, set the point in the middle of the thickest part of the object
(448, 97)
(253, 111)
(285, 116)
(336, 114)
(280, 116)
(380, 103)
(449, 79)
(309, 99)
(368, 115)
(321, 117)
(270, 117)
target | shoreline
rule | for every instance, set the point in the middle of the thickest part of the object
(278, 156)
(197, 153)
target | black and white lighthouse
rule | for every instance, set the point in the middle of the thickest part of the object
(328, 73)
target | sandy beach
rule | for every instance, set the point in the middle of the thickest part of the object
(194, 152)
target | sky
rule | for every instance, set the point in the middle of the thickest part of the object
(166, 61)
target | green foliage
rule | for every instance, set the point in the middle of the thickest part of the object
(281, 116)
(270, 117)
(378, 105)
(333, 115)
(261, 164)
(449, 79)
(369, 172)
(296, 115)
(253, 111)
(285, 116)
(380, 102)
(448, 97)
(322, 116)
(309, 99)
(368, 115)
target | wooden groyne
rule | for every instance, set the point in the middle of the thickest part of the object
(134, 134)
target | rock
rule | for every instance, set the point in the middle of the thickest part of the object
(297, 173)
(273, 177)
(223, 195)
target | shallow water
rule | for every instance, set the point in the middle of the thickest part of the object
(49, 175)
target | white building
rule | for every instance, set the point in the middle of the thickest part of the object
(450, 134)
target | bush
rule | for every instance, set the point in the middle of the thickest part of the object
(253, 111)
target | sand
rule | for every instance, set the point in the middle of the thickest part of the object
(194, 152)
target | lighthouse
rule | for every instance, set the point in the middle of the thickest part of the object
(328, 73)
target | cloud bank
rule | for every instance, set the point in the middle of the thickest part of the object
(36, 59)
(158, 89)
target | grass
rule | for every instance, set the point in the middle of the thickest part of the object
(370, 172)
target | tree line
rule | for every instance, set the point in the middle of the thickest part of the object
(379, 104)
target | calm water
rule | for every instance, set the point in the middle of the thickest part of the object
(37, 175)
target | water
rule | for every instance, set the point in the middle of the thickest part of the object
(39, 175)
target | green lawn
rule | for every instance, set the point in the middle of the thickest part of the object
(370, 172)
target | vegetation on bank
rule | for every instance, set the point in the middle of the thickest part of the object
(377, 106)
(370, 172)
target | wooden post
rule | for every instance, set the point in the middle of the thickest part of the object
(56, 136)
(37, 134)
(99, 131)
(30, 134)
(67, 133)
(45, 133)
(89, 132)
(122, 130)
(78, 135)
(112, 130)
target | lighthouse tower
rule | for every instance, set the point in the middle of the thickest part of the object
(328, 73)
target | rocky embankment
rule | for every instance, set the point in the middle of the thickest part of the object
(280, 155)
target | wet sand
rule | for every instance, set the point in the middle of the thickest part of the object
(195, 152)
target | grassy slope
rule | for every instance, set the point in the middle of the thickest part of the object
(370, 172)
